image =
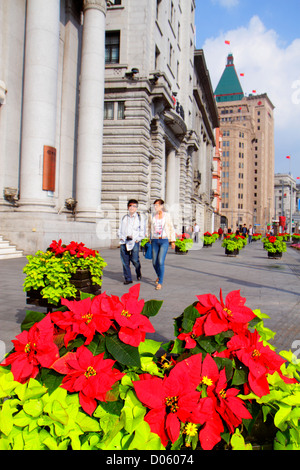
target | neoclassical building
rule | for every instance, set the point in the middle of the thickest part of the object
(160, 111)
(101, 101)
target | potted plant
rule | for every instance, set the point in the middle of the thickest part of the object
(183, 244)
(296, 237)
(232, 244)
(274, 245)
(86, 377)
(62, 271)
(208, 239)
(256, 237)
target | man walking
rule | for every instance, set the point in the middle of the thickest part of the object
(132, 231)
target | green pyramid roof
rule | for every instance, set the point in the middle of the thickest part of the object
(229, 87)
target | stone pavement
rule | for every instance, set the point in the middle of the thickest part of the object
(273, 286)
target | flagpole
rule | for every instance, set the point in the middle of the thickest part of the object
(291, 192)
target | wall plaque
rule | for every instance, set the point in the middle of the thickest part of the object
(49, 168)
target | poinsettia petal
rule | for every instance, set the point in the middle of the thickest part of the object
(131, 337)
(79, 307)
(88, 404)
(214, 324)
(238, 407)
(210, 433)
(156, 420)
(62, 364)
(172, 427)
(150, 392)
(259, 385)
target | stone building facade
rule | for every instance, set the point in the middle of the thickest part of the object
(160, 112)
(100, 101)
(285, 202)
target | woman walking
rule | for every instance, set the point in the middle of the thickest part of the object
(161, 234)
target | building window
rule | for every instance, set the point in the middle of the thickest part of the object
(112, 47)
(172, 13)
(109, 110)
(158, 2)
(112, 109)
(170, 55)
(121, 110)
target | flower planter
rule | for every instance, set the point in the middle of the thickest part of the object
(206, 245)
(178, 251)
(81, 280)
(232, 253)
(276, 255)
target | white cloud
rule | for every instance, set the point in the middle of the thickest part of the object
(269, 67)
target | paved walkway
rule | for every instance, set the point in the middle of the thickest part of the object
(273, 286)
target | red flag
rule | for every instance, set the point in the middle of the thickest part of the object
(242, 74)
(288, 157)
(253, 91)
(227, 42)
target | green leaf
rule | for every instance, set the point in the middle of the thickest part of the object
(31, 318)
(51, 379)
(190, 315)
(33, 407)
(152, 307)
(86, 423)
(123, 353)
(239, 377)
(238, 442)
(97, 345)
(282, 416)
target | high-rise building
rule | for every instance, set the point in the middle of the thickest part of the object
(247, 126)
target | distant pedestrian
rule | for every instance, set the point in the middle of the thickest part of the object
(220, 232)
(250, 234)
(161, 233)
(132, 231)
(244, 231)
(196, 232)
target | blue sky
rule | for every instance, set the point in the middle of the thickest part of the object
(264, 38)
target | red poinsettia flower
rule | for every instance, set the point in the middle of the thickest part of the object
(218, 402)
(72, 248)
(218, 316)
(171, 400)
(259, 359)
(33, 349)
(127, 313)
(57, 247)
(189, 339)
(91, 376)
(228, 405)
(84, 317)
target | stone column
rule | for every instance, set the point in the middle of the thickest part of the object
(40, 100)
(172, 186)
(90, 127)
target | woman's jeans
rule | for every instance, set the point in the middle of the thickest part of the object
(133, 256)
(159, 252)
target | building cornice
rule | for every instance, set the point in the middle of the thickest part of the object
(95, 5)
